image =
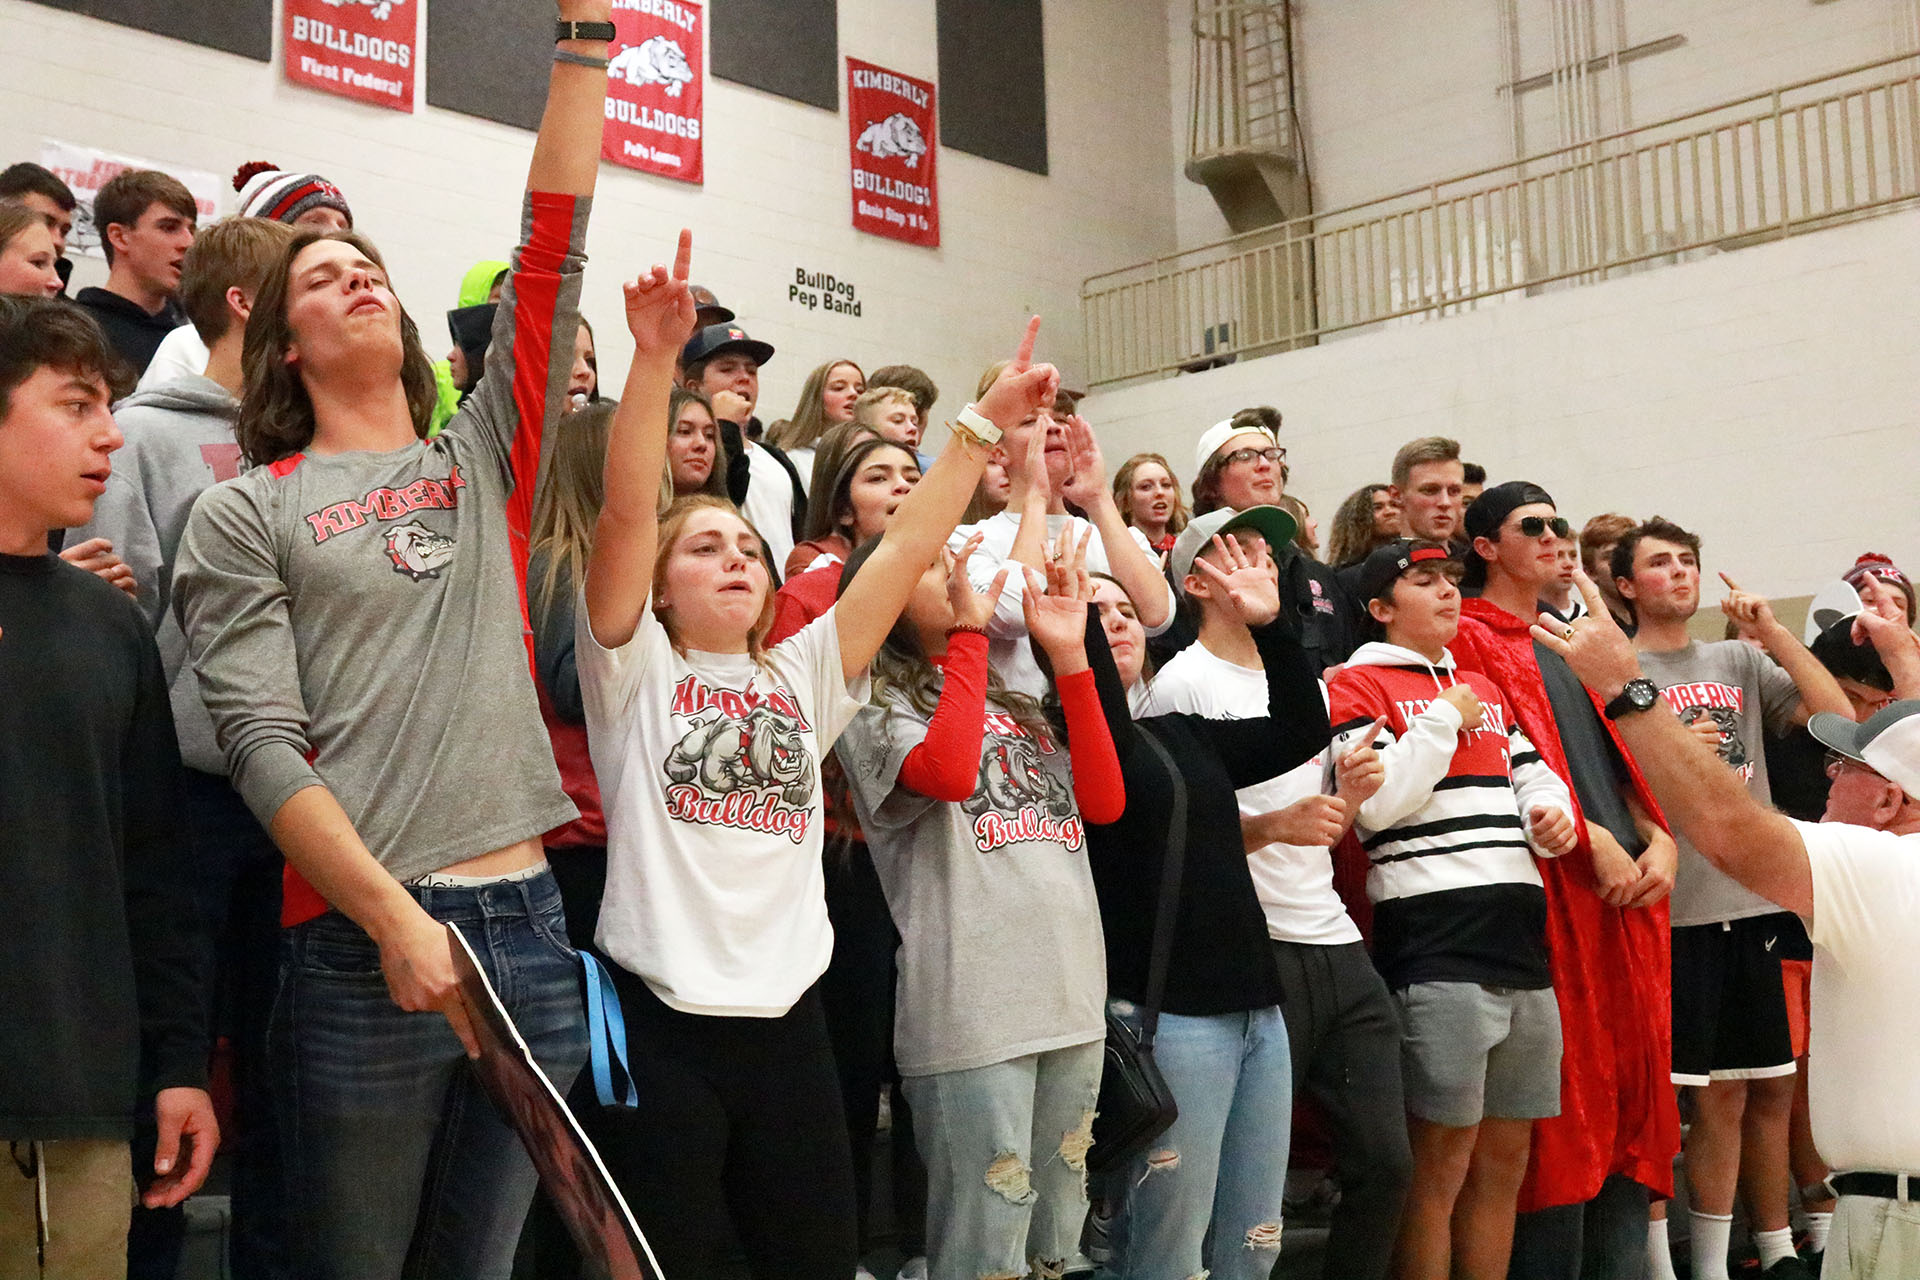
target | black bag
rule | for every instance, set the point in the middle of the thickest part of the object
(1136, 1106)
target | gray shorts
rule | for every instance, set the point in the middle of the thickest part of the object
(1471, 1051)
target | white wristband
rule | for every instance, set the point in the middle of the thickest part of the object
(976, 425)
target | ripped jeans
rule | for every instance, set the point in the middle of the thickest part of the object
(1006, 1153)
(1222, 1165)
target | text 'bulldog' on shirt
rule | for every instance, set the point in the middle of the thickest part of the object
(652, 118)
(679, 15)
(891, 84)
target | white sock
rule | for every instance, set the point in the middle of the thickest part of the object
(1710, 1235)
(1818, 1224)
(1773, 1246)
(1659, 1252)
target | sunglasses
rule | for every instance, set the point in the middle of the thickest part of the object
(1272, 453)
(1534, 526)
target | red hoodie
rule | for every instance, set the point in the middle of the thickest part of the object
(1611, 971)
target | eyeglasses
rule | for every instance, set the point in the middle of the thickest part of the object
(1272, 453)
(1837, 763)
(1534, 526)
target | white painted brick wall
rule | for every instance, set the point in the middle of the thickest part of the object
(1768, 399)
(437, 190)
(1394, 95)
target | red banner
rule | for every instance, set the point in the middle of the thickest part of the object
(890, 124)
(654, 88)
(361, 49)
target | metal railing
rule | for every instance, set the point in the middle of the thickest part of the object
(1757, 168)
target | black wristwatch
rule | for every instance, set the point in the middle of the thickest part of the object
(564, 30)
(1639, 695)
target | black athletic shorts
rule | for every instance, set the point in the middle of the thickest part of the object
(1732, 1016)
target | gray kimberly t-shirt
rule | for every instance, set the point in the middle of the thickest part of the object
(1747, 695)
(356, 621)
(1001, 952)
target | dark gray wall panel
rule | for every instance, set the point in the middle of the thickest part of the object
(788, 47)
(244, 27)
(490, 58)
(993, 81)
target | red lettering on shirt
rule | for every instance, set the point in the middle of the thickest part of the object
(693, 695)
(387, 503)
(992, 830)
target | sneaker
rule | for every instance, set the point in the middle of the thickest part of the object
(914, 1268)
(1788, 1269)
(861, 1273)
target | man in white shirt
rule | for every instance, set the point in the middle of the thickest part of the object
(1341, 1024)
(1053, 460)
(724, 363)
(1854, 878)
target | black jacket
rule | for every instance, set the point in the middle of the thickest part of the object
(740, 475)
(105, 957)
(132, 332)
(1221, 960)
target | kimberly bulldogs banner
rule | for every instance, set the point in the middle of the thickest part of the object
(654, 88)
(361, 49)
(891, 125)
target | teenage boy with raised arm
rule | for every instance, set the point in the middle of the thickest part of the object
(1459, 922)
(1342, 1028)
(1035, 516)
(103, 976)
(1734, 1029)
(354, 605)
(1585, 1198)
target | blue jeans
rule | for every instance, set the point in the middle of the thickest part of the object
(1006, 1152)
(1223, 1164)
(397, 1163)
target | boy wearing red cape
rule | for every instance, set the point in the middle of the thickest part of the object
(1583, 1207)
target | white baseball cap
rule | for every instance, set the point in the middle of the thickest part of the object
(1887, 742)
(1218, 434)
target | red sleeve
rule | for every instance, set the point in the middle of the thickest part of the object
(804, 598)
(946, 763)
(1097, 784)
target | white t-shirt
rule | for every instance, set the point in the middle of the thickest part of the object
(180, 354)
(1007, 647)
(1865, 1040)
(802, 460)
(769, 504)
(1295, 882)
(709, 768)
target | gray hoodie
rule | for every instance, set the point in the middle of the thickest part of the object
(179, 444)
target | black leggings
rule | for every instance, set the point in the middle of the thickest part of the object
(739, 1134)
(856, 993)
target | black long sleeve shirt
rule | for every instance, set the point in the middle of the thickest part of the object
(1221, 960)
(104, 954)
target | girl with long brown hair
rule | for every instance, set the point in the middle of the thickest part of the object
(826, 401)
(354, 608)
(696, 458)
(1149, 499)
(708, 744)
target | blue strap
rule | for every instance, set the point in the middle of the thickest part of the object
(607, 1038)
